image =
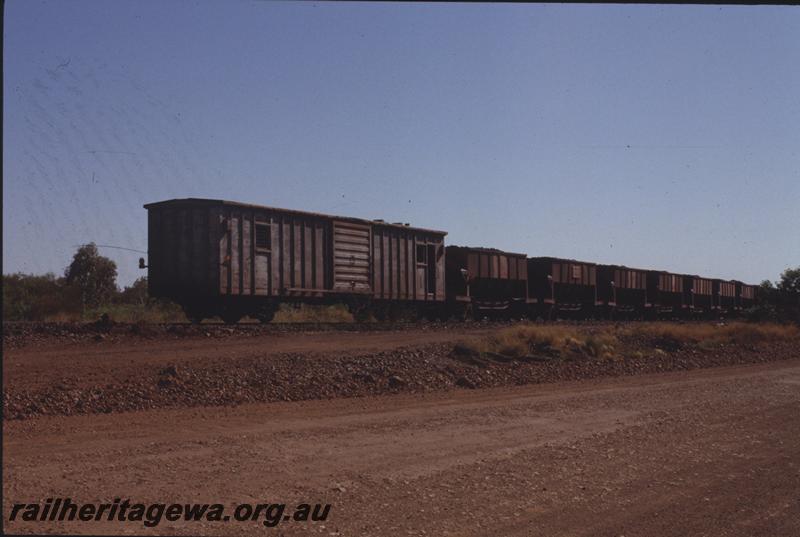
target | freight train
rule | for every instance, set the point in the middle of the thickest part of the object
(230, 260)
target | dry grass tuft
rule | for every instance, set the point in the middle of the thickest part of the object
(305, 313)
(125, 313)
(530, 340)
(709, 335)
(527, 340)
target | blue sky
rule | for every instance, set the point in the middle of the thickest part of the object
(654, 136)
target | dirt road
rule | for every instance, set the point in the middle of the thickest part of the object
(708, 452)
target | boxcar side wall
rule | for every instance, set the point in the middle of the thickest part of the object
(308, 256)
(264, 253)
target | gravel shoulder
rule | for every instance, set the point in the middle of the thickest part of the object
(112, 376)
(90, 362)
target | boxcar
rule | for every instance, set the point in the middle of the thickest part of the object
(622, 288)
(231, 259)
(486, 280)
(698, 293)
(745, 295)
(665, 291)
(562, 284)
(724, 295)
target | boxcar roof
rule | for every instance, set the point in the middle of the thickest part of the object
(483, 249)
(209, 202)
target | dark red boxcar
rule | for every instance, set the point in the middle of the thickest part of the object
(232, 259)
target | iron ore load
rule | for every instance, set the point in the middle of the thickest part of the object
(230, 260)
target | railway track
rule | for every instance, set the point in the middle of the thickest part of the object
(19, 326)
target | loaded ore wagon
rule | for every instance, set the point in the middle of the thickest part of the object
(484, 281)
(745, 295)
(665, 291)
(622, 288)
(698, 293)
(562, 284)
(229, 259)
(725, 295)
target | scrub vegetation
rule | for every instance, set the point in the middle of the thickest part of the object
(531, 341)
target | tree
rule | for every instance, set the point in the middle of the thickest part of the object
(790, 281)
(27, 297)
(93, 275)
(136, 293)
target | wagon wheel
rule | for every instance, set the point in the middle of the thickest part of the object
(517, 311)
(468, 312)
(457, 311)
(230, 316)
(359, 307)
(433, 313)
(395, 312)
(380, 311)
(194, 314)
(265, 314)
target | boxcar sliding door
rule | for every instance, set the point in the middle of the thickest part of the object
(351, 257)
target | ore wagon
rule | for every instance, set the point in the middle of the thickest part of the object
(483, 281)
(745, 295)
(724, 296)
(230, 259)
(621, 288)
(665, 291)
(698, 294)
(562, 285)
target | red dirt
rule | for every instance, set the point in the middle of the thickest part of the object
(705, 452)
(628, 450)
